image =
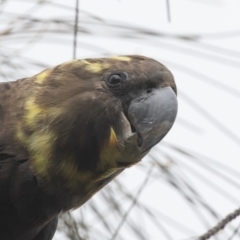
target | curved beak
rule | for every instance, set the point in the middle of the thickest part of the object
(152, 115)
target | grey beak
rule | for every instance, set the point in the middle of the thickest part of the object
(152, 115)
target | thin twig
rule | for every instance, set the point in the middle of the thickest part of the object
(75, 30)
(168, 10)
(220, 225)
(133, 203)
(235, 232)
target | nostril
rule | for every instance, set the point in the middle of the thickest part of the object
(149, 90)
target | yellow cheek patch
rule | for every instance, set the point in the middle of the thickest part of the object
(21, 136)
(121, 58)
(39, 142)
(40, 147)
(42, 77)
(33, 111)
(38, 138)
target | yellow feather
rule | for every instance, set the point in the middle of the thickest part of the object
(95, 67)
(109, 152)
(113, 138)
(121, 58)
(33, 112)
(40, 147)
(41, 78)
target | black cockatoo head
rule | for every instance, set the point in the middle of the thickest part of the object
(84, 121)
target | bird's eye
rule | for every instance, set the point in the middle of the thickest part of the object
(116, 79)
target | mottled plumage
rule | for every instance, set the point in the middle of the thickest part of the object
(69, 130)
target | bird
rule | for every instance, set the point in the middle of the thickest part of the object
(69, 130)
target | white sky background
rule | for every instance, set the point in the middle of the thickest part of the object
(217, 22)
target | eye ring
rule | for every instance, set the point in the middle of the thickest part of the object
(117, 79)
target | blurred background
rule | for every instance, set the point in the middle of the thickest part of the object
(189, 181)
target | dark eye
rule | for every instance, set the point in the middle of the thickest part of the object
(116, 78)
